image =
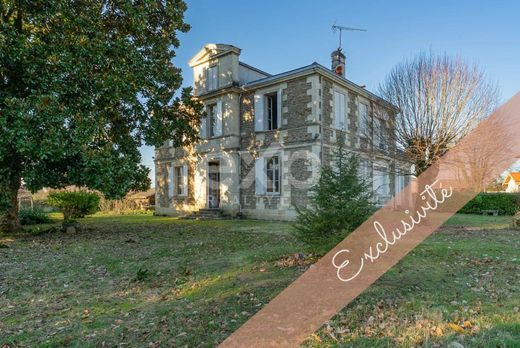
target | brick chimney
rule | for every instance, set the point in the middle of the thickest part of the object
(338, 62)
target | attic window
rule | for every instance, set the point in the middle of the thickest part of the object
(212, 78)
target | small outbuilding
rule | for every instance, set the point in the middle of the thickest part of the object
(512, 182)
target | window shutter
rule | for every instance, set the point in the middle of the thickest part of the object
(203, 125)
(336, 110)
(171, 182)
(185, 179)
(259, 113)
(214, 77)
(342, 117)
(339, 121)
(260, 176)
(279, 111)
(218, 130)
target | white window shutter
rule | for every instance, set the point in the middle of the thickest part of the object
(279, 103)
(218, 130)
(171, 182)
(185, 179)
(203, 125)
(343, 116)
(214, 77)
(336, 110)
(259, 113)
(339, 121)
(260, 176)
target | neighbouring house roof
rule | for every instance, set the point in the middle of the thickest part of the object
(141, 195)
(515, 176)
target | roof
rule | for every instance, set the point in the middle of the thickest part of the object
(513, 175)
(253, 68)
(316, 67)
(141, 194)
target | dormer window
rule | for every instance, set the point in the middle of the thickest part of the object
(212, 78)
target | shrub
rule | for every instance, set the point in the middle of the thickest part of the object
(505, 203)
(33, 216)
(341, 201)
(74, 204)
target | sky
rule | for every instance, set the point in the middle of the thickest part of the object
(277, 36)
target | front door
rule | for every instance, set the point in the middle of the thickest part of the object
(213, 185)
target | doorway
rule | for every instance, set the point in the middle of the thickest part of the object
(214, 185)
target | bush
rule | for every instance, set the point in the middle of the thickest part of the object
(341, 202)
(74, 205)
(33, 216)
(505, 203)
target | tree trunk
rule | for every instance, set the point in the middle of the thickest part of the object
(10, 221)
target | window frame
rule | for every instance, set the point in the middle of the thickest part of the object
(178, 179)
(211, 120)
(341, 123)
(382, 134)
(274, 180)
(271, 111)
(363, 121)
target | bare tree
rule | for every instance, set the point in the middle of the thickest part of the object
(440, 99)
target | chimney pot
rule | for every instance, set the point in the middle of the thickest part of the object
(338, 62)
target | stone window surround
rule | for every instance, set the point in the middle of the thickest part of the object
(265, 155)
(270, 90)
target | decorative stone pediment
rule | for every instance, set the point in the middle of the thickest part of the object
(211, 51)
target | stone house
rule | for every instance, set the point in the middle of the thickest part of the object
(264, 138)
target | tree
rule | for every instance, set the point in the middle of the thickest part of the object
(341, 201)
(440, 99)
(83, 84)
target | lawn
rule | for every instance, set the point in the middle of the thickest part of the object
(140, 280)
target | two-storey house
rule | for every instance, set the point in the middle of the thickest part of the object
(264, 138)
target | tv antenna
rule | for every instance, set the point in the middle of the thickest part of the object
(340, 28)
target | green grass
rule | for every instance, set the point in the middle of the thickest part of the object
(139, 280)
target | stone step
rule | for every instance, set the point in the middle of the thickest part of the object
(206, 214)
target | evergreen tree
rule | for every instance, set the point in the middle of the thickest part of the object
(341, 201)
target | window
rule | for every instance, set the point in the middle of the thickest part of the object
(339, 111)
(363, 119)
(212, 78)
(364, 170)
(272, 170)
(268, 111)
(211, 124)
(400, 183)
(181, 180)
(178, 182)
(271, 103)
(381, 182)
(381, 133)
(212, 118)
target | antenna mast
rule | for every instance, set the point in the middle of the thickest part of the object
(340, 28)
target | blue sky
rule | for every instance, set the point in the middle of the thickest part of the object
(276, 36)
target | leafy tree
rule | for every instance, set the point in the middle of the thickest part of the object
(341, 202)
(83, 84)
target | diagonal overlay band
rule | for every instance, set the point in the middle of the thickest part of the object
(387, 236)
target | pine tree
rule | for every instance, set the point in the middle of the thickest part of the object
(341, 201)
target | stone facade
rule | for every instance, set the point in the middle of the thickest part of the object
(264, 138)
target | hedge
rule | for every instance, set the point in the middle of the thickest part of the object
(505, 203)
